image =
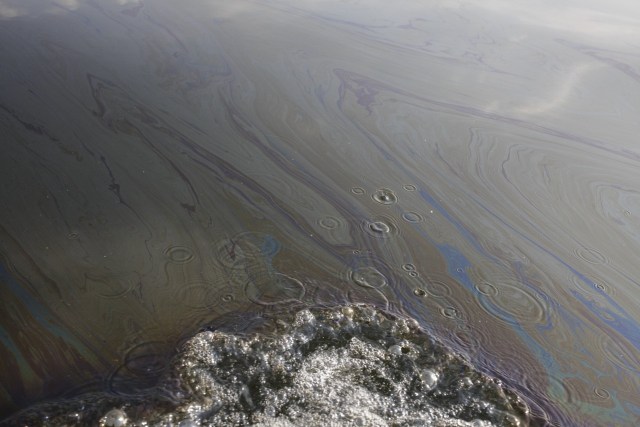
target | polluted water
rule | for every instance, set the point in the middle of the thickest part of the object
(347, 365)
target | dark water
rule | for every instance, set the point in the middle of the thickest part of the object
(473, 165)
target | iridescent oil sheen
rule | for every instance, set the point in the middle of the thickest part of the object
(474, 165)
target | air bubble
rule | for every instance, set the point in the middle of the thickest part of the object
(396, 350)
(602, 393)
(408, 267)
(419, 292)
(409, 187)
(358, 191)
(379, 227)
(429, 378)
(114, 418)
(449, 312)
(384, 196)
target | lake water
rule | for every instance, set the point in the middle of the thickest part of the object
(468, 168)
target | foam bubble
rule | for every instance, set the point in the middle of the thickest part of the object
(350, 365)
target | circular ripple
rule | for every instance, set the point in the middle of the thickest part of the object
(380, 227)
(591, 256)
(202, 294)
(439, 286)
(228, 253)
(142, 367)
(547, 390)
(594, 285)
(384, 196)
(236, 251)
(179, 254)
(147, 359)
(110, 287)
(408, 267)
(514, 305)
(275, 289)
(412, 217)
(409, 187)
(329, 222)
(368, 277)
(602, 393)
(467, 340)
(487, 289)
(358, 191)
(619, 353)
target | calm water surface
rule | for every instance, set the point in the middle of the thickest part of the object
(472, 164)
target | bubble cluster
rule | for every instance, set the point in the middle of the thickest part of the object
(350, 365)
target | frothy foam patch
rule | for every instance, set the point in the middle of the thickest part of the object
(342, 366)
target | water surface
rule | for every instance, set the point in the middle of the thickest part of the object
(472, 165)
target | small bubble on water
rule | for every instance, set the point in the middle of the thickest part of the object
(413, 274)
(358, 191)
(419, 292)
(114, 418)
(429, 378)
(384, 196)
(449, 312)
(395, 350)
(602, 393)
(409, 187)
(466, 382)
(379, 227)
